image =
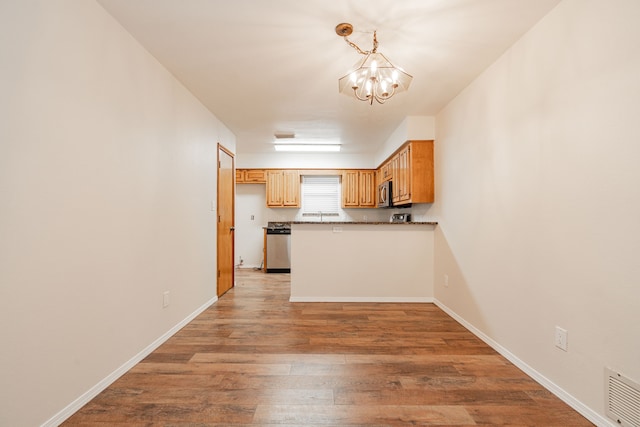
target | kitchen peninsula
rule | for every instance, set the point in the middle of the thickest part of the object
(362, 261)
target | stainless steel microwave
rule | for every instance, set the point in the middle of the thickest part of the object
(385, 198)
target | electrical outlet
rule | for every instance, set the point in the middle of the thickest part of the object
(446, 280)
(561, 338)
(165, 299)
(337, 229)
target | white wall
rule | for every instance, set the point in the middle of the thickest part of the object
(539, 206)
(362, 262)
(411, 128)
(107, 172)
(249, 235)
(305, 160)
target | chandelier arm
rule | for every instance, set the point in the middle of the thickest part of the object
(369, 98)
(355, 93)
(380, 97)
(374, 95)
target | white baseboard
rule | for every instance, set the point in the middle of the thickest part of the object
(580, 407)
(74, 406)
(362, 299)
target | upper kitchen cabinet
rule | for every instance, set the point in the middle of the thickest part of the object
(283, 188)
(358, 189)
(411, 168)
(385, 172)
(401, 189)
(251, 176)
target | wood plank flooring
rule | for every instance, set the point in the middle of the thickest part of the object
(254, 358)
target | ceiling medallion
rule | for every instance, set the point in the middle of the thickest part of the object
(374, 77)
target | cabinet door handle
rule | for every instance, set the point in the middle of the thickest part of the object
(232, 228)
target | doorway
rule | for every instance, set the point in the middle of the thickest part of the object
(226, 220)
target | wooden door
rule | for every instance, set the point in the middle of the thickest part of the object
(226, 223)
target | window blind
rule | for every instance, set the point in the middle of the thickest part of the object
(321, 193)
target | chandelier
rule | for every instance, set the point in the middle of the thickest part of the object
(374, 77)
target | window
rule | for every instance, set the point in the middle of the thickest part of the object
(321, 193)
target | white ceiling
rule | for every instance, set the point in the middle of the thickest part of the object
(263, 66)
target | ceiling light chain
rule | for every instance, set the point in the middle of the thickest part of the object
(360, 51)
(375, 77)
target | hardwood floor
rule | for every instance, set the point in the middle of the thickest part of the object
(253, 358)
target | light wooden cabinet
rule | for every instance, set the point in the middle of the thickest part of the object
(291, 188)
(350, 194)
(387, 170)
(393, 166)
(411, 171)
(283, 188)
(251, 176)
(385, 173)
(401, 189)
(359, 188)
(367, 188)
(274, 188)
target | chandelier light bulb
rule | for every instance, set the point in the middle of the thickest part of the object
(383, 86)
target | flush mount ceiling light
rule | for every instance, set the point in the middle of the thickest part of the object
(307, 147)
(294, 144)
(373, 78)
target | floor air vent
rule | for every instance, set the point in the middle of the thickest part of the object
(623, 399)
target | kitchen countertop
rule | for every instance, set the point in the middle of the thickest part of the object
(367, 222)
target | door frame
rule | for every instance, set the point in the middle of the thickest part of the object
(219, 240)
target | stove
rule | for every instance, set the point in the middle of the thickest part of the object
(279, 227)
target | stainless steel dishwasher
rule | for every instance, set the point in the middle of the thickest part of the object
(278, 251)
